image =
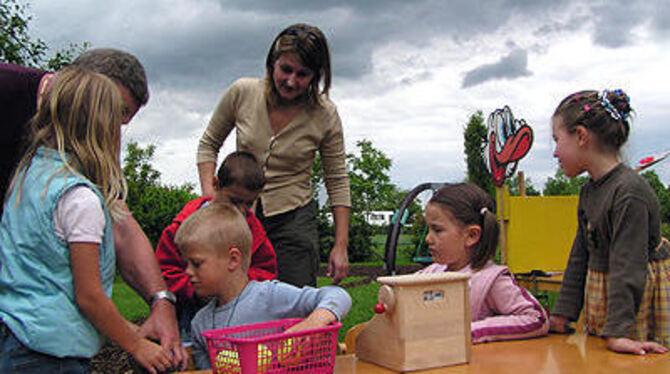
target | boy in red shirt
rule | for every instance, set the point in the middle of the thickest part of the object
(238, 182)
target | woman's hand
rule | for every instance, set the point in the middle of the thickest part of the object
(338, 264)
(625, 345)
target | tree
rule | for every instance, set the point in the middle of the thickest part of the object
(562, 185)
(153, 204)
(513, 184)
(475, 140)
(662, 193)
(371, 187)
(18, 47)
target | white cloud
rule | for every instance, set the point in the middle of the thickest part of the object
(398, 69)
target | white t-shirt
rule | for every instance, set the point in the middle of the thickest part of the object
(79, 216)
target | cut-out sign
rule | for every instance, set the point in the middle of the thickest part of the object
(651, 161)
(508, 141)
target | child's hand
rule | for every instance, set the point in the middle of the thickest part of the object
(151, 356)
(319, 318)
(558, 324)
(625, 345)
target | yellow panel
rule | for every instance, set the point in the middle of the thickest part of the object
(540, 231)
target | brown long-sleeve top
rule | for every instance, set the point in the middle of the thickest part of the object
(617, 233)
(288, 155)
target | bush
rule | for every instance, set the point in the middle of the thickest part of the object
(156, 207)
(360, 238)
(152, 204)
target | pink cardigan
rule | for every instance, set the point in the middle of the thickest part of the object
(501, 309)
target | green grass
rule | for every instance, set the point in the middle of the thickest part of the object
(129, 303)
(403, 248)
(133, 308)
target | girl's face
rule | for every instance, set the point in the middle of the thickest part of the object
(447, 238)
(568, 150)
(291, 77)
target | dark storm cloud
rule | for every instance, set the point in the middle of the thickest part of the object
(615, 21)
(214, 54)
(661, 19)
(512, 66)
(232, 39)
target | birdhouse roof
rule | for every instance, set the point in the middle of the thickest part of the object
(420, 279)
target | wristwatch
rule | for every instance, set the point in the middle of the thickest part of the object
(165, 294)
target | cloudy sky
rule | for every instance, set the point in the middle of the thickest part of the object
(407, 74)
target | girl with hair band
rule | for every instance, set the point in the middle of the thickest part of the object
(619, 266)
(284, 120)
(56, 240)
(462, 237)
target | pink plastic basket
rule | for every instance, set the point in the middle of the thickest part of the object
(265, 348)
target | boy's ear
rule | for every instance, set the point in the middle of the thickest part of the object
(472, 235)
(215, 183)
(234, 258)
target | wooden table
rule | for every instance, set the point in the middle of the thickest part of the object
(562, 354)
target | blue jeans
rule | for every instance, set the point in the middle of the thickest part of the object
(17, 358)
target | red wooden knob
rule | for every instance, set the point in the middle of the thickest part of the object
(380, 308)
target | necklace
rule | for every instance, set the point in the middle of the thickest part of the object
(232, 312)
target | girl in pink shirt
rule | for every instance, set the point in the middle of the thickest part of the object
(462, 236)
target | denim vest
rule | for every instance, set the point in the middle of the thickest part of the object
(37, 299)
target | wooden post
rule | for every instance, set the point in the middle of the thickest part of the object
(522, 183)
(503, 234)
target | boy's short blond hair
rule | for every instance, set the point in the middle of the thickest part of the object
(218, 227)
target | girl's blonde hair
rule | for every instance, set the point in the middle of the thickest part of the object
(80, 117)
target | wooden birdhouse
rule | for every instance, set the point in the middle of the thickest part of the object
(422, 321)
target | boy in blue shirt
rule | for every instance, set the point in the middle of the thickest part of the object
(215, 242)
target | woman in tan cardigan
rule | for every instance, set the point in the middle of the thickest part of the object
(284, 120)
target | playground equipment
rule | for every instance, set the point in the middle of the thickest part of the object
(422, 321)
(391, 245)
(539, 230)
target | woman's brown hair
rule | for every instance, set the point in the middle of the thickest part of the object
(311, 47)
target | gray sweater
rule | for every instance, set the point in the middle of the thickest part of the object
(617, 233)
(262, 302)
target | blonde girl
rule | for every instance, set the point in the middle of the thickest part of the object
(56, 241)
(462, 237)
(618, 269)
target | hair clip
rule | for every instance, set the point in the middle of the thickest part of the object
(483, 211)
(620, 93)
(609, 108)
(586, 108)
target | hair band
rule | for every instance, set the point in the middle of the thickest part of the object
(483, 211)
(609, 108)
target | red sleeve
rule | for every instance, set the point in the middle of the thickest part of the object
(263, 256)
(172, 265)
